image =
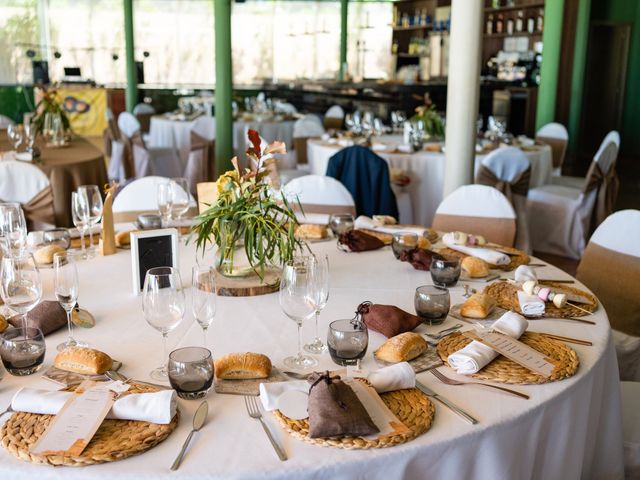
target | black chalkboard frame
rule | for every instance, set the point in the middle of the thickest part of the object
(152, 248)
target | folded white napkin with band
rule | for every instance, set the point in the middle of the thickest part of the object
(369, 223)
(476, 355)
(394, 377)
(488, 255)
(157, 407)
(530, 305)
(524, 273)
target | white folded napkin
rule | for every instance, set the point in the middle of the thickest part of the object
(526, 141)
(345, 142)
(524, 273)
(488, 255)
(530, 305)
(370, 224)
(157, 407)
(476, 355)
(405, 148)
(386, 379)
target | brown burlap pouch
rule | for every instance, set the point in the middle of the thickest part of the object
(388, 320)
(420, 258)
(48, 316)
(334, 409)
(359, 241)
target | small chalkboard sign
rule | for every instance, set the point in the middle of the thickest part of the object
(152, 248)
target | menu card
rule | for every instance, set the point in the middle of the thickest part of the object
(74, 426)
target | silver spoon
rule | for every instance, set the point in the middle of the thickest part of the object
(296, 375)
(198, 421)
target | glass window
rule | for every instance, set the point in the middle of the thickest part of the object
(19, 32)
(369, 40)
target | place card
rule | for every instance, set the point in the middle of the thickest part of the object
(514, 350)
(76, 423)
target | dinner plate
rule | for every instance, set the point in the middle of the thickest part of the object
(294, 404)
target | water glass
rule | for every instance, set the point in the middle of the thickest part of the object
(92, 196)
(165, 201)
(66, 286)
(403, 241)
(203, 297)
(163, 307)
(445, 272)
(20, 284)
(432, 304)
(340, 223)
(191, 372)
(179, 197)
(22, 350)
(16, 135)
(57, 236)
(13, 227)
(348, 341)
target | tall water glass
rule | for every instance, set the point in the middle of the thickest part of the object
(66, 286)
(94, 205)
(319, 297)
(296, 302)
(203, 297)
(13, 227)
(80, 216)
(180, 197)
(165, 201)
(163, 307)
(20, 284)
(15, 135)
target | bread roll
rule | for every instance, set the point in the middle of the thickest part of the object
(475, 267)
(401, 348)
(309, 231)
(44, 255)
(423, 242)
(123, 239)
(477, 305)
(3, 323)
(384, 219)
(240, 366)
(83, 360)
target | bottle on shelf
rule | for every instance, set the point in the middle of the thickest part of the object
(489, 27)
(495, 3)
(509, 26)
(520, 21)
(394, 47)
(405, 20)
(416, 17)
(423, 17)
(500, 24)
(531, 24)
(540, 20)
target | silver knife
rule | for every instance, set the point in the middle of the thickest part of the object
(455, 409)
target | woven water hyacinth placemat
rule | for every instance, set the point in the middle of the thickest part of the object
(503, 370)
(114, 440)
(518, 257)
(410, 406)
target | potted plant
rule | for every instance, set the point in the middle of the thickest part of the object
(49, 106)
(431, 119)
(252, 228)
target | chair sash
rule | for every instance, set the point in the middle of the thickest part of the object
(324, 209)
(558, 149)
(607, 186)
(199, 143)
(207, 195)
(614, 278)
(497, 230)
(300, 146)
(333, 123)
(519, 186)
(145, 121)
(39, 209)
(134, 168)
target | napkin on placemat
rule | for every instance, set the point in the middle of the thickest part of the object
(490, 256)
(476, 355)
(48, 316)
(157, 407)
(359, 241)
(419, 258)
(387, 379)
(530, 305)
(388, 320)
(368, 223)
(524, 273)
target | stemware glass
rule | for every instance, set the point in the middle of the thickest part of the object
(20, 284)
(13, 227)
(203, 297)
(30, 132)
(163, 307)
(180, 198)
(80, 216)
(296, 302)
(15, 135)
(94, 205)
(319, 297)
(66, 285)
(165, 201)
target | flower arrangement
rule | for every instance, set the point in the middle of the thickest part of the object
(49, 105)
(247, 216)
(433, 125)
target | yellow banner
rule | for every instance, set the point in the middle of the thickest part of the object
(85, 108)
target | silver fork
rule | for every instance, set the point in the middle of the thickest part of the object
(444, 333)
(450, 381)
(254, 412)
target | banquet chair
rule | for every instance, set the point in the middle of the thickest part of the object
(334, 118)
(480, 210)
(318, 194)
(29, 186)
(366, 176)
(143, 112)
(305, 128)
(610, 267)
(561, 217)
(200, 165)
(5, 121)
(163, 162)
(556, 136)
(140, 196)
(630, 396)
(508, 170)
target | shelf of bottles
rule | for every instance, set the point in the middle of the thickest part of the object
(422, 24)
(507, 19)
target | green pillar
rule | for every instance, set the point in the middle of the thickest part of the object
(577, 74)
(224, 86)
(344, 13)
(132, 80)
(551, 46)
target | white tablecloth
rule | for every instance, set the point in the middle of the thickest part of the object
(175, 134)
(568, 429)
(426, 170)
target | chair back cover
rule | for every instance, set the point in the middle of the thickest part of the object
(145, 121)
(29, 186)
(199, 161)
(136, 158)
(5, 121)
(366, 176)
(319, 194)
(610, 267)
(308, 126)
(612, 136)
(205, 127)
(334, 117)
(143, 108)
(556, 136)
(478, 209)
(603, 180)
(128, 124)
(139, 196)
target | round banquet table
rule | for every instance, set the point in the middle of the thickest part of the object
(176, 134)
(426, 170)
(568, 429)
(81, 163)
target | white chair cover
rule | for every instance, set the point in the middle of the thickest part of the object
(508, 164)
(141, 196)
(116, 170)
(335, 111)
(5, 121)
(143, 108)
(128, 124)
(319, 195)
(553, 130)
(205, 127)
(198, 160)
(630, 396)
(308, 126)
(21, 181)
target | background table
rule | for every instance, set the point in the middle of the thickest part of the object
(269, 129)
(568, 429)
(167, 133)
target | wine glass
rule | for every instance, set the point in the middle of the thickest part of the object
(296, 302)
(15, 135)
(94, 204)
(80, 215)
(66, 285)
(179, 199)
(13, 227)
(165, 201)
(203, 297)
(30, 132)
(163, 307)
(20, 284)
(319, 297)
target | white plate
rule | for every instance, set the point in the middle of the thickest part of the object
(294, 404)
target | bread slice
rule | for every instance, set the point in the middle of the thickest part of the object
(242, 366)
(477, 305)
(401, 348)
(86, 361)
